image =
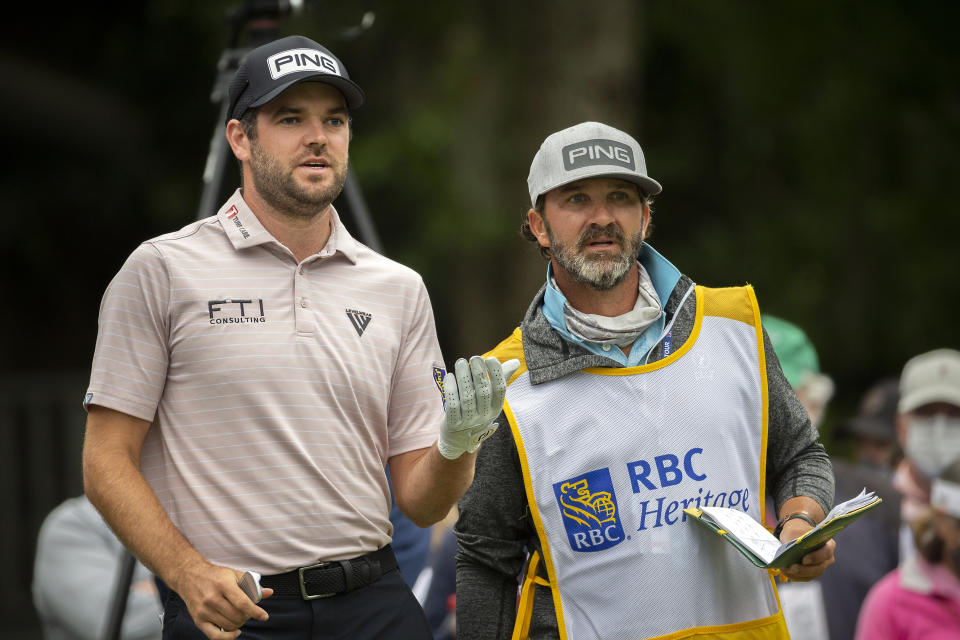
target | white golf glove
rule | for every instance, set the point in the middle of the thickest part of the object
(473, 393)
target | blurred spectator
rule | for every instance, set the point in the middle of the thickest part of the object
(75, 571)
(928, 429)
(920, 600)
(801, 366)
(874, 429)
(828, 606)
(871, 549)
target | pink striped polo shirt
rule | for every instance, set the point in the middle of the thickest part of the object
(277, 390)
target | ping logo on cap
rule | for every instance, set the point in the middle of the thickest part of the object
(596, 152)
(589, 507)
(294, 60)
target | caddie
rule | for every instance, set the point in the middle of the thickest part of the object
(254, 374)
(640, 393)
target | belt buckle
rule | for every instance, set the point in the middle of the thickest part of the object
(303, 587)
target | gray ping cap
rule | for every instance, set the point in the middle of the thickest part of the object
(588, 150)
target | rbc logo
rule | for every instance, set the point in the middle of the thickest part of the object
(589, 508)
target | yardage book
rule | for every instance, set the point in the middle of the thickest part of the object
(759, 546)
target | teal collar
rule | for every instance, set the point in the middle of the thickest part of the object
(664, 276)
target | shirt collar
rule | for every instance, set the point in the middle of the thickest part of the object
(664, 277)
(340, 239)
(244, 229)
(661, 271)
(240, 224)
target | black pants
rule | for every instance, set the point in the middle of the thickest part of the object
(385, 610)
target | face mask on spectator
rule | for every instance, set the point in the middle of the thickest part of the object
(933, 442)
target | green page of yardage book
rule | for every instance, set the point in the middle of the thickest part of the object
(759, 546)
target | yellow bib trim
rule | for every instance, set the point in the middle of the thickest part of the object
(537, 521)
(673, 357)
(770, 628)
(766, 408)
(510, 347)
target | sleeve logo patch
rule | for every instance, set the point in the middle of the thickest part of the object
(438, 374)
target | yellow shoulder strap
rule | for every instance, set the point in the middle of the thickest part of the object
(736, 303)
(511, 347)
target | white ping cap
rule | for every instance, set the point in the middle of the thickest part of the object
(930, 377)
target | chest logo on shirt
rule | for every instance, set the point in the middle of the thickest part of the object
(359, 319)
(589, 508)
(236, 311)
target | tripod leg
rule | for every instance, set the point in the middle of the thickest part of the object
(215, 169)
(358, 209)
(121, 591)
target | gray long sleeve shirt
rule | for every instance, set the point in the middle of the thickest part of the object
(495, 529)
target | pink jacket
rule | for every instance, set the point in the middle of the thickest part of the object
(917, 601)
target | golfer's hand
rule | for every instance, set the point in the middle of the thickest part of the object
(217, 604)
(473, 394)
(814, 563)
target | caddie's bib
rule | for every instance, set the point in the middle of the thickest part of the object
(611, 457)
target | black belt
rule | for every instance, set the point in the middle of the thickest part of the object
(327, 579)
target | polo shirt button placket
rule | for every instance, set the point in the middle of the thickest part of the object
(303, 319)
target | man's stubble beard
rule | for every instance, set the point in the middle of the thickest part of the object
(600, 272)
(281, 191)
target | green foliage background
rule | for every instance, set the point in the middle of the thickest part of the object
(808, 148)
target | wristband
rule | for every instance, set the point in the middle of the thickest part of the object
(782, 521)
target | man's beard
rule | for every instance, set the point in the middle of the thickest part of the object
(601, 272)
(282, 192)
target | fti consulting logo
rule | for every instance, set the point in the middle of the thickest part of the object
(236, 311)
(589, 507)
